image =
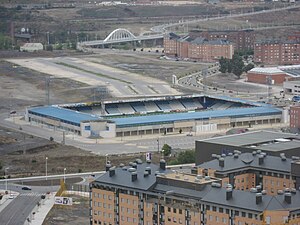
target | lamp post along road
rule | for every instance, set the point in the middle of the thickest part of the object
(65, 175)
(46, 168)
(5, 175)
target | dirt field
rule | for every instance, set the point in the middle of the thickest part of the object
(77, 214)
(30, 159)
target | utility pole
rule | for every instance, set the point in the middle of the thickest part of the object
(269, 83)
(47, 84)
(204, 74)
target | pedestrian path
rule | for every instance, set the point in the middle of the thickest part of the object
(39, 213)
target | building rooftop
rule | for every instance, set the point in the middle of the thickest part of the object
(198, 115)
(250, 138)
(248, 160)
(266, 70)
(157, 183)
(123, 177)
(63, 114)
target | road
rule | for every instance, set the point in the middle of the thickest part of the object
(20, 208)
(163, 28)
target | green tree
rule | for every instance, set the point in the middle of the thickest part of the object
(166, 149)
(237, 65)
(223, 65)
(187, 156)
(248, 67)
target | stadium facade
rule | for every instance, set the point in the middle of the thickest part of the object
(160, 115)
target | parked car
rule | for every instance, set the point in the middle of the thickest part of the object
(26, 188)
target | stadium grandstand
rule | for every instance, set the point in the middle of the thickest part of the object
(169, 114)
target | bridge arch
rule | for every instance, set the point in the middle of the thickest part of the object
(120, 34)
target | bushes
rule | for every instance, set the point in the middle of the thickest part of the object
(187, 156)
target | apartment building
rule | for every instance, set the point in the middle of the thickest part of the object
(270, 142)
(245, 171)
(146, 194)
(277, 52)
(241, 39)
(295, 116)
(197, 48)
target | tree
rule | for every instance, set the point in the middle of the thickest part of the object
(237, 65)
(166, 149)
(248, 67)
(223, 65)
(184, 157)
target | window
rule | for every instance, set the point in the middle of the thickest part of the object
(180, 211)
(214, 208)
(169, 209)
(174, 210)
(210, 217)
(109, 197)
(221, 210)
(224, 220)
(99, 204)
(243, 214)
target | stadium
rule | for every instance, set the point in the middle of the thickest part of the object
(156, 115)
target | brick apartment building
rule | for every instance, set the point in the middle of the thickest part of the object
(248, 170)
(198, 48)
(277, 52)
(241, 39)
(295, 117)
(148, 194)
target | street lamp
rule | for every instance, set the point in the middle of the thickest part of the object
(106, 155)
(5, 175)
(46, 168)
(157, 144)
(65, 175)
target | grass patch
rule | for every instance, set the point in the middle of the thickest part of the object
(87, 71)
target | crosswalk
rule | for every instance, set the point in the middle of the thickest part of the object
(31, 194)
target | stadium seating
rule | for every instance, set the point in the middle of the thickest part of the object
(139, 107)
(163, 105)
(126, 108)
(112, 109)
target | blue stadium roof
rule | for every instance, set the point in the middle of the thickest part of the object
(63, 114)
(165, 118)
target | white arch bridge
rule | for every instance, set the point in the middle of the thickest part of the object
(119, 35)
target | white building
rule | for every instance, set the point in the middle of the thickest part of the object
(31, 47)
(292, 87)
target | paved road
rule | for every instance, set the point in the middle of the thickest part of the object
(19, 208)
(163, 28)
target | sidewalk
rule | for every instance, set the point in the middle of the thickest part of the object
(39, 213)
(6, 200)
